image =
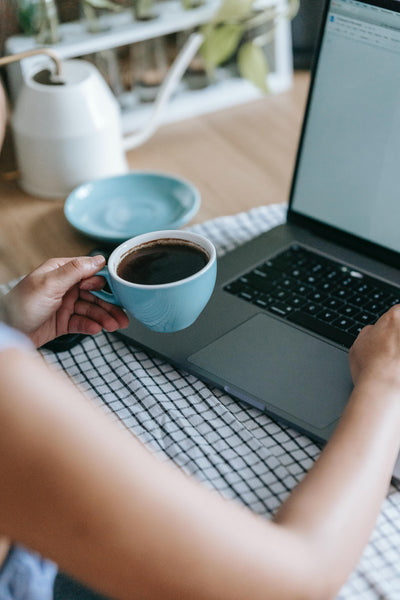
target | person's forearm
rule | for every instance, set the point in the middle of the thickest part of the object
(337, 503)
(97, 503)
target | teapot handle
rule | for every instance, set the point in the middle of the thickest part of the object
(6, 60)
(168, 86)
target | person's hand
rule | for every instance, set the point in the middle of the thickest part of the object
(55, 299)
(376, 352)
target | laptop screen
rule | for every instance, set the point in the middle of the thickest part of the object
(348, 168)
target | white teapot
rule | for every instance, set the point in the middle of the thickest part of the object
(67, 128)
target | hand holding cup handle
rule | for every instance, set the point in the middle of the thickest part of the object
(163, 307)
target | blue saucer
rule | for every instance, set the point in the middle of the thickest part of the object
(115, 209)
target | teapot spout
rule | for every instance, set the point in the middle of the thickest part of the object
(174, 75)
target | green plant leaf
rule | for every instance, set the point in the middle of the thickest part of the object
(104, 4)
(233, 10)
(220, 43)
(253, 65)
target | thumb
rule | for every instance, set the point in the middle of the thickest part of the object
(73, 271)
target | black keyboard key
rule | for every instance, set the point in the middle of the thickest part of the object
(243, 281)
(235, 287)
(318, 269)
(326, 286)
(341, 292)
(280, 294)
(258, 272)
(311, 308)
(327, 315)
(366, 318)
(363, 288)
(262, 301)
(357, 300)
(297, 273)
(297, 301)
(319, 327)
(282, 262)
(375, 307)
(348, 310)
(344, 323)
(287, 282)
(332, 274)
(260, 283)
(269, 270)
(392, 300)
(301, 289)
(355, 330)
(333, 303)
(311, 280)
(304, 262)
(349, 282)
(317, 296)
(379, 295)
(248, 295)
(279, 308)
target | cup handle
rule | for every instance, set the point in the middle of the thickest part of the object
(106, 296)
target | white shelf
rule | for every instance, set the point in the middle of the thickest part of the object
(226, 92)
(123, 30)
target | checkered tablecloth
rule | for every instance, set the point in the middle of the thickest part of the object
(235, 449)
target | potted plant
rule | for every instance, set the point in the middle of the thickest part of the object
(242, 29)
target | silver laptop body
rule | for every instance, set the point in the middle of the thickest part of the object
(344, 204)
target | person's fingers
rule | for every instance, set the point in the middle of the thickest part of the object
(110, 320)
(92, 283)
(115, 311)
(51, 264)
(64, 310)
(96, 313)
(63, 277)
(81, 324)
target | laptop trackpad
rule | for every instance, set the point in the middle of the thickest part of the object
(283, 368)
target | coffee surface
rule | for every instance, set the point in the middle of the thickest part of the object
(162, 262)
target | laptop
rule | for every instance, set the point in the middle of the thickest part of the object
(288, 304)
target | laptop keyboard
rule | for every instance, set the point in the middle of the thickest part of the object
(317, 293)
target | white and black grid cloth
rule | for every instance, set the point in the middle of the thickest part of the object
(235, 449)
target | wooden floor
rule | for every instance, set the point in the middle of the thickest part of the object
(238, 158)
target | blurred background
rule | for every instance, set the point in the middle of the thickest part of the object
(44, 19)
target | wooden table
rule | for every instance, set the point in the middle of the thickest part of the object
(238, 158)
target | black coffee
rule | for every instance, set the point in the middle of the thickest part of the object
(162, 261)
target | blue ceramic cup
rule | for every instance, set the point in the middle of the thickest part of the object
(165, 307)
